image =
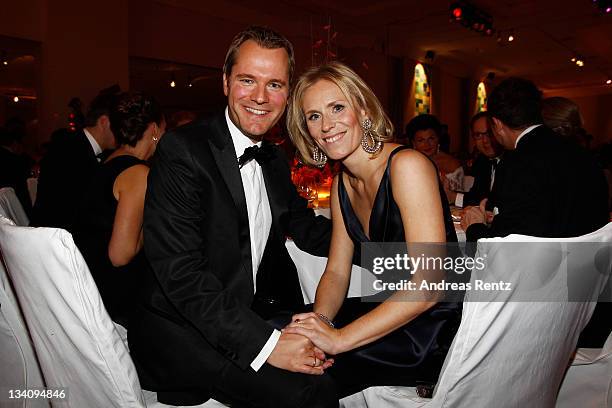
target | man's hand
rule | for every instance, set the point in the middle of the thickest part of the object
(297, 353)
(475, 215)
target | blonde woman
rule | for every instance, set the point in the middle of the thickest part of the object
(385, 193)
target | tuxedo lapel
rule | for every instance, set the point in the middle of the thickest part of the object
(223, 151)
(271, 171)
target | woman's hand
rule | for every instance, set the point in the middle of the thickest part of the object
(322, 335)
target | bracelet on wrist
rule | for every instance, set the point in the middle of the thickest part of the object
(326, 320)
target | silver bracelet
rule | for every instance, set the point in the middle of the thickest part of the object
(326, 320)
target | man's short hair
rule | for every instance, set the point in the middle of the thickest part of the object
(101, 105)
(479, 115)
(423, 122)
(265, 38)
(516, 102)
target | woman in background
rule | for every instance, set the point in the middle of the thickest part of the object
(109, 222)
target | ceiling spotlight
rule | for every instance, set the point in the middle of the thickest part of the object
(573, 59)
(16, 99)
(609, 81)
(4, 58)
(457, 12)
(172, 84)
(510, 38)
(580, 62)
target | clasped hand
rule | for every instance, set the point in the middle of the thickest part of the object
(298, 354)
(318, 331)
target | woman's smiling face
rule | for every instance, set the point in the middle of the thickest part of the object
(332, 121)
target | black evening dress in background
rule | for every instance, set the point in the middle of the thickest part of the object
(414, 353)
(93, 230)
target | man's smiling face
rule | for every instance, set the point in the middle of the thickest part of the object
(257, 88)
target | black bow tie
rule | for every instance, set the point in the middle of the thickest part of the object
(261, 154)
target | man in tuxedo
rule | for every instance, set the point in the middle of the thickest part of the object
(219, 205)
(549, 186)
(485, 165)
(71, 160)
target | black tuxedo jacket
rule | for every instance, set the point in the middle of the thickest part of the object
(197, 307)
(481, 170)
(547, 187)
(14, 172)
(65, 172)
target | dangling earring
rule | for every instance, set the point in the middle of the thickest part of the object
(155, 139)
(375, 145)
(318, 157)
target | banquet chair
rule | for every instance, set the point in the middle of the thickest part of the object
(513, 347)
(11, 208)
(20, 369)
(79, 347)
(588, 380)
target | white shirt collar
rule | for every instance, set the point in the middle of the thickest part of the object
(94, 145)
(524, 132)
(241, 141)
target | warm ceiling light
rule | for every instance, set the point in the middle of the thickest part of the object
(510, 38)
(609, 81)
(16, 99)
(573, 59)
(580, 63)
(172, 84)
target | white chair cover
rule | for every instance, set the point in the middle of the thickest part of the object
(11, 208)
(510, 353)
(77, 344)
(588, 381)
(310, 268)
(20, 369)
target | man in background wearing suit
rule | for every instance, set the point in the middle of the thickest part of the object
(485, 165)
(69, 164)
(549, 186)
(219, 205)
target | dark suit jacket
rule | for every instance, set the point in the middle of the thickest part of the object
(65, 172)
(14, 172)
(548, 187)
(481, 170)
(197, 309)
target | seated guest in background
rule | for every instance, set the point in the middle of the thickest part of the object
(108, 229)
(550, 187)
(385, 193)
(485, 164)
(66, 169)
(424, 134)
(563, 116)
(15, 167)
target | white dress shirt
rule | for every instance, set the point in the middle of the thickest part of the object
(524, 132)
(94, 144)
(260, 219)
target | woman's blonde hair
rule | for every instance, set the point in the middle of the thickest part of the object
(359, 95)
